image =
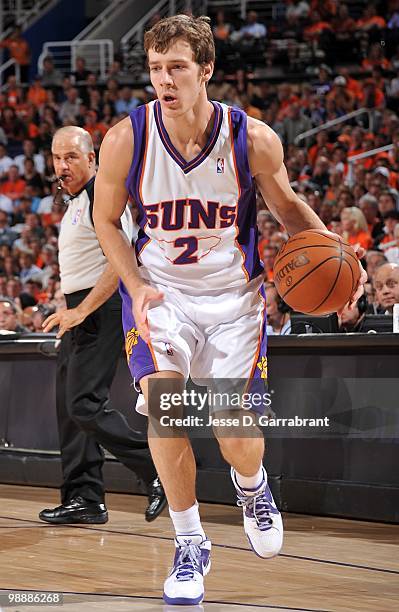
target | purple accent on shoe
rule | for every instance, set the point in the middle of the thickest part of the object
(258, 506)
(247, 236)
(205, 558)
(189, 558)
(187, 554)
(182, 601)
(249, 490)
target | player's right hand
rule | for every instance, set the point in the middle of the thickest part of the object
(142, 297)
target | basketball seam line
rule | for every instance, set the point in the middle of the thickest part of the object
(334, 283)
(314, 246)
(310, 272)
(295, 238)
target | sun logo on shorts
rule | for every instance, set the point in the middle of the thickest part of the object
(262, 365)
(132, 337)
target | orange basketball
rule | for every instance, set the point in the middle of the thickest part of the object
(316, 272)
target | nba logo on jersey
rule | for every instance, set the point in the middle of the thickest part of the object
(169, 349)
(220, 165)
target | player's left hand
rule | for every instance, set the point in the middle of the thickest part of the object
(143, 296)
(65, 319)
(360, 252)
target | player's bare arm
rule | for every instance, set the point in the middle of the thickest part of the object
(110, 197)
(265, 154)
(65, 319)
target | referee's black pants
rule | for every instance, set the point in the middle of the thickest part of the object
(86, 366)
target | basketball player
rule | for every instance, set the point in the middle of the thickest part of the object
(195, 305)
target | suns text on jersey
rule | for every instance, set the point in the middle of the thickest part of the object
(190, 213)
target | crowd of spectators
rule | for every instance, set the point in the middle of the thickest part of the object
(359, 201)
(303, 32)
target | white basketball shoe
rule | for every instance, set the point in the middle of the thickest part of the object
(262, 520)
(185, 584)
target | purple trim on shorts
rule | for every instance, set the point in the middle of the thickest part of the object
(263, 343)
(140, 361)
(246, 218)
(257, 384)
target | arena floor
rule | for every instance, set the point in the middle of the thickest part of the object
(326, 564)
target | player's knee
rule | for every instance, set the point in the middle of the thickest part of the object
(233, 447)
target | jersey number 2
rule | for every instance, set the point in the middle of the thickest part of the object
(187, 257)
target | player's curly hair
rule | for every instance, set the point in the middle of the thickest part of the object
(195, 30)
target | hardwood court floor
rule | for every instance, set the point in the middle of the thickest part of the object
(326, 564)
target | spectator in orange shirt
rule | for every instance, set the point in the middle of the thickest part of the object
(31, 120)
(375, 57)
(14, 129)
(221, 30)
(268, 257)
(343, 98)
(252, 111)
(370, 19)
(378, 77)
(354, 227)
(368, 204)
(333, 190)
(91, 123)
(321, 142)
(19, 51)
(343, 24)
(357, 142)
(387, 236)
(316, 27)
(14, 186)
(384, 168)
(285, 98)
(352, 85)
(12, 92)
(55, 217)
(267, 226)
(372, 96)
(36, 93)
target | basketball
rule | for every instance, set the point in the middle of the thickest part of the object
(316, 273)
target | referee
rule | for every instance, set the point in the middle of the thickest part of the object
(91, 344)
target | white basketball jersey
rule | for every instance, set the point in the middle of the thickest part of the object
(197, 218)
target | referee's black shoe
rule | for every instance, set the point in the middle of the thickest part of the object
(76, 510)
(156, 500)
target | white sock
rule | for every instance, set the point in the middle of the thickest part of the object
(251, 483)
(187, 522)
